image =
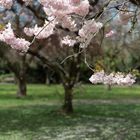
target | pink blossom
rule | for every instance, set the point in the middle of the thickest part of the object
(97, 77)
(67, 6)
(67, 22)
(112, 79)
(68, 41)
(90, 27)
(122, 79)
(110, 33)
(41, 32)
(6, 3)
(109, 79)
(61, 10)
(7, 36)
(75, 1)
(20, 44)
(82, 9)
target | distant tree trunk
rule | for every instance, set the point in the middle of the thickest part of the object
(47, 78)
(109, 87)
(19, 70)
(20, 79)
(21, 82)
(68, 106)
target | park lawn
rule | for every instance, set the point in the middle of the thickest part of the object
(37, 117)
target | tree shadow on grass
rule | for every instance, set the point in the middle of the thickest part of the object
(12, 96)
(7, 96)
(32, 118)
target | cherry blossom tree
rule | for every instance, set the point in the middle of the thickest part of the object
(76, 23)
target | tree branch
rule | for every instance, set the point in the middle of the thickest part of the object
(50, 64)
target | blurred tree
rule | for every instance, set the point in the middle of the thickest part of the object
(17, 64)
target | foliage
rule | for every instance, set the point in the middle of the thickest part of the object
(5, 77)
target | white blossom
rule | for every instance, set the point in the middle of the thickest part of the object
(112, 79)
(68, 41)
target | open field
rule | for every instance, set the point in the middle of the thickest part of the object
(99, 114)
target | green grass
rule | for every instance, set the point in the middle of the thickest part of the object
(101, 92)
(37, 117)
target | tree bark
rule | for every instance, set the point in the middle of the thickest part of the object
(136, 2)
(68, 106)
(21, 78)
(21, 82)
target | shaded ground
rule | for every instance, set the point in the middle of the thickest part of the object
(93, 122)
(38, 117)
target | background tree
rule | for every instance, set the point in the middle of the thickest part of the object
(17, 64)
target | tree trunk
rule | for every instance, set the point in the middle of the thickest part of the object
(68, 106)
(109, 87)
(21, 81)
(47, 79)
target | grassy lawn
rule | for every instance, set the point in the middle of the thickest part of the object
(99, 114)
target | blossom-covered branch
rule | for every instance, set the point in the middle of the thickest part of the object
(8, 36)
(112, 78)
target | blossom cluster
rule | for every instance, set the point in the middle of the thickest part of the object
(7, 36)
(6, 3)
(41, 32)
(90, 27)
(68, 41)
(65, 7)
(112, 78)
(110, 33)
(61, 10)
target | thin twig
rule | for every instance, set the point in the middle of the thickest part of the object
(85, 60)
(73, 55)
